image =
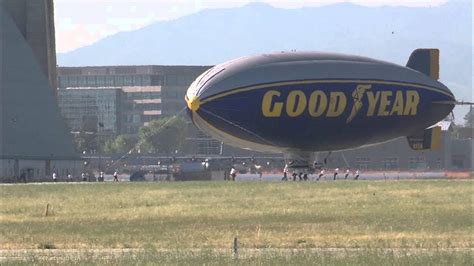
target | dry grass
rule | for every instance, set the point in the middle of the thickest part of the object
(347, 214)
(150, 256)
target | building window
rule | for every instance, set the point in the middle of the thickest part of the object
(110, 81)
(156, 80)
(418, 162)
(137, 81)
(171, 80)
(458, 161)
(390, 163)
(146, 80)
(136, 119)
(439, 163)
(63, 82)
(83, 81)
(119, 81)
(128, 80)
(72, 81)
(91, 81)
(155, 95)
(362, 163)
(101, 81)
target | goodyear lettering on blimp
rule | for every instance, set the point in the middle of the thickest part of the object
(334, 103)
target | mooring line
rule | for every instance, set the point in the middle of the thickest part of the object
(236, 125)
(139, 143)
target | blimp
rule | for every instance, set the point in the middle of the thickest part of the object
(304, 103)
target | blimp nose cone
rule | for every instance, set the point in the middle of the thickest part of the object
(193, 103)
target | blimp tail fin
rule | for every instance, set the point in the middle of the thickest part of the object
(425, 61)
(428, 139)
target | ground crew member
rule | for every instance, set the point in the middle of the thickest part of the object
(285, 173)
(336, 171)
(356, 175)
(321, 174)
(294, 176)
(233, 173)
(305, 177)
(116, 176)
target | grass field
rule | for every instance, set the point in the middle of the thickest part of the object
(370, 215)
(208, 257)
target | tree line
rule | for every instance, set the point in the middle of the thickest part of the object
(163, 136)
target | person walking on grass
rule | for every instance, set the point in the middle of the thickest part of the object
(233, 173)
(321, 174)
(294, 176)
(285, 173)
(55, 177)
(347, 173)
(336, 171)
(356, 175)
(116, 176)
(300, 176)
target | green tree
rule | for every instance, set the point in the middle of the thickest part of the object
(121, 144)
(109, 146)
(163, 136)
(469, 118)
(85, 141)
(124, 143)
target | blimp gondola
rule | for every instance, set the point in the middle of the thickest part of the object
(299, 103)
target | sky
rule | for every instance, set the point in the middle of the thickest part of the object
(82, 22)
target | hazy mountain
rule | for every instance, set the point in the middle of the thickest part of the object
(216, 35)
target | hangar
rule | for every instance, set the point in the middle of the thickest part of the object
(34, 140)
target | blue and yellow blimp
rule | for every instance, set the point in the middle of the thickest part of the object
(302, 102)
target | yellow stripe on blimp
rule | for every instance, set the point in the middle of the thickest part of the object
(256, 87)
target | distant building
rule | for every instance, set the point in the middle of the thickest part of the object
(148, 91)
(92, 110)
(141, 104)
(146, 94)
(454, 154)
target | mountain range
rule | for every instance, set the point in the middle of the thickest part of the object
(213, 36)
